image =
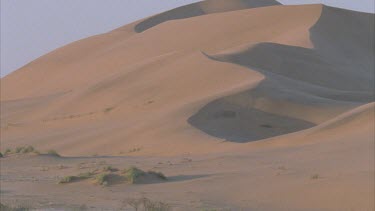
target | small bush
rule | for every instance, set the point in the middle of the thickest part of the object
(315, 176)
(18, 149)
(7, 151)
(17, 208)
(1, 155)
(110, 169)
(53, 153)
(132, 174)
(86, 175)
(104, 179)
(21, 150)
(27, 149)
(146, 204)
(68, 179)
(108, 109)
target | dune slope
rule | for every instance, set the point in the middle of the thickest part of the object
(167, 88)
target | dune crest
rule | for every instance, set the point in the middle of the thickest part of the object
(201, 8)
(255, 85)
(240, 104)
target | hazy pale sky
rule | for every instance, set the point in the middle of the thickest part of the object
(32, 28)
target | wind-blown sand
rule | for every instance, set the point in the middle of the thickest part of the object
(260, 96)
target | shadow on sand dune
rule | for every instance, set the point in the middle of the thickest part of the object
(339, 71)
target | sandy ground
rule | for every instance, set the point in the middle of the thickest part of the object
(244, 105)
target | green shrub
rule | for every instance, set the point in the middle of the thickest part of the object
(53, 153)
(7, 151)
(82, 176)
(17, 208)
(68, 179)
(146, 204)
(315, 176)
(27, 149)
(105, 179)
(22, 150)
(132, 174)
(110, 169)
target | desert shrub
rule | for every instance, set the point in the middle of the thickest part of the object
(146, 205)
(1, 155)
(53, 153)
(157, 174)
(27, 149)
(7, 151)
(79, 177)
(315, 176)
(21, 150)
(133, 173)
(110, 169)
(69, 179)
(15, 208)
(86, 175)
(108, 109)
(104, 179)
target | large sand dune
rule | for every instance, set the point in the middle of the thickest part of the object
(239, 78)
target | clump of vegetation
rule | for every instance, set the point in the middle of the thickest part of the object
(70, 179)
(110, 169)
(133, 173)
(109, 175)
(25, 150)
(9, 208)
(1, 155)
(104, 179)
(7, 151)
(146, 204)
(108, 109)
(135, 150)
(315, 176)
(53, 153)
(28, 150)
(21, 150)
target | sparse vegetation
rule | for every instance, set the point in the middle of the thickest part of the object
(315, 176)
(70, 179)
(104, 179)
(15, 208)
(110, 169)
(28, 150)
(7, 151)
(53, 153)
(145, 204)
(135, 150)
(132, 174)
(21, 150)
(106, 110)
(110, 175)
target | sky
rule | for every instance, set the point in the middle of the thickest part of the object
(32, 28)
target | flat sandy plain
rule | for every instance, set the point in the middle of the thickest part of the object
(242, 104)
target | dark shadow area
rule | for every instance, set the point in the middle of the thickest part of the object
(339, 71)
(179, 178)
(246, 125)
(195, 9)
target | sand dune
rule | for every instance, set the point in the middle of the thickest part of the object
(201, 8)
(124, 77)
(244, 78)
